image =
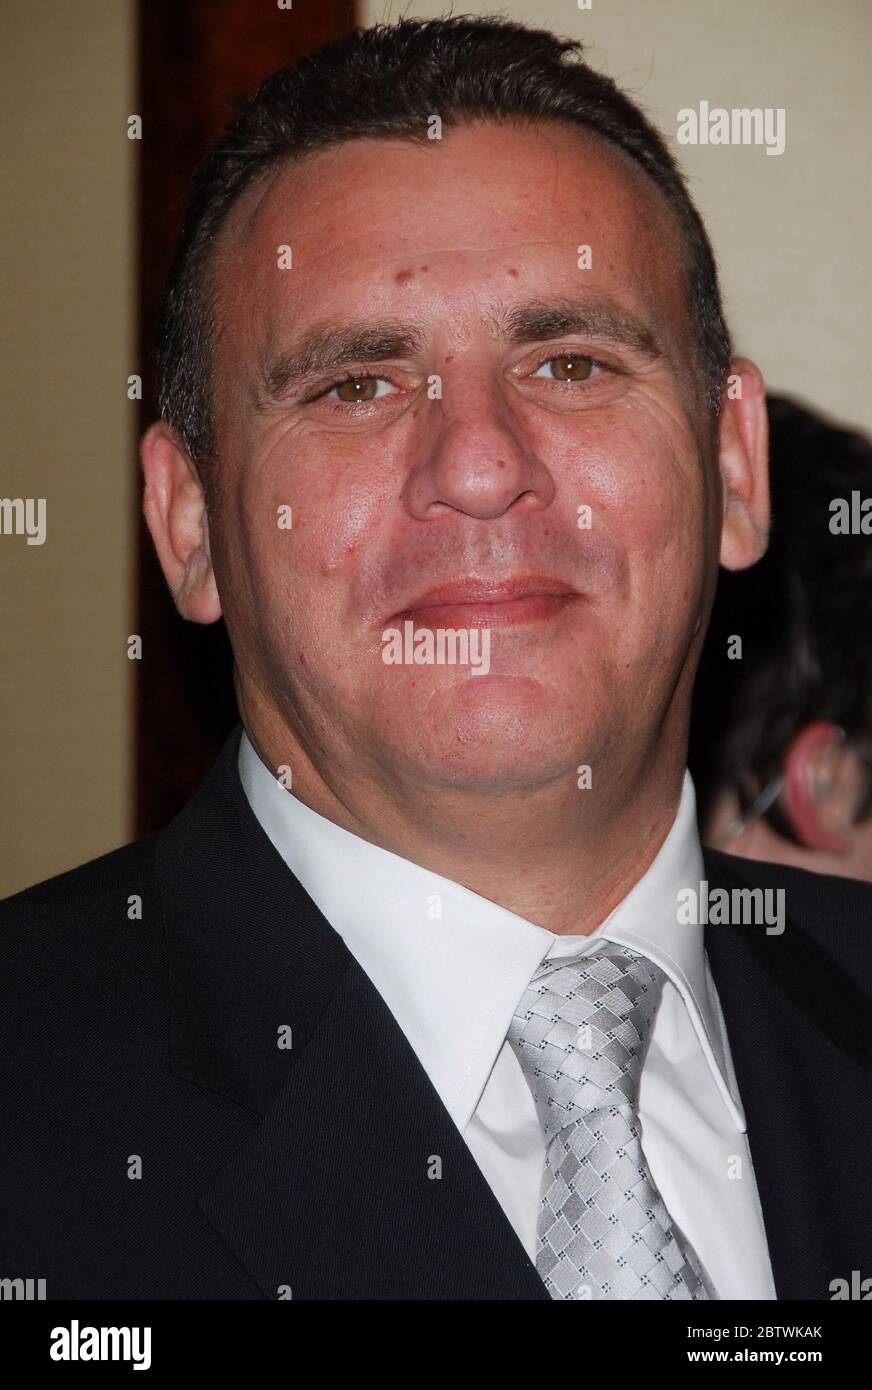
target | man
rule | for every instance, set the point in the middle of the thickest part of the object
(418, 1005)
(782, 730)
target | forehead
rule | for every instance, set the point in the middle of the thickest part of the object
(454, 225)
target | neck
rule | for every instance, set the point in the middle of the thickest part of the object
(555, 855)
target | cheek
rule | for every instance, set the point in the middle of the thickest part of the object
(334, 493)
(643, 484)
(337, 496)
(640, 480)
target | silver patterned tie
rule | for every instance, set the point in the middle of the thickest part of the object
(580, 1032)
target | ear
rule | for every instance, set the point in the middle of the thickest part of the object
(822, 785)
(743, 453)
(174, 506)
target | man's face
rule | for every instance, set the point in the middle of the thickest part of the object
(519, 451)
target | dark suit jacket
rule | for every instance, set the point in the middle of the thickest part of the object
(306, 1168)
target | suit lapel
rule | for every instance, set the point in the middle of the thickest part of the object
(358, 1185)
(350, 1179)
(799, 1031)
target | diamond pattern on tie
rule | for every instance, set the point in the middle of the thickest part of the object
(580, 1033)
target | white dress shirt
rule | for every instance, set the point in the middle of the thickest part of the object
(451, 966)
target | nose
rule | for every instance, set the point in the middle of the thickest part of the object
(474, 458)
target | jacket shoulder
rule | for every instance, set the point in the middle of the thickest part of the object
(835, 911)
(92, 882)
(83, 977)
(88, 912)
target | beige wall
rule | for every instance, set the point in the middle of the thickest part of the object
(67, 432)
(791, 231)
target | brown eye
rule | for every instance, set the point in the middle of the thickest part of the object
(569, 366)
(357, 388)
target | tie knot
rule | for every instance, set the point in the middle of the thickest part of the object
(580, 1032)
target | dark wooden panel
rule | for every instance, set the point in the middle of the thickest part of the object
(195, 58)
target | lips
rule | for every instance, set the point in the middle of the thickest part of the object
(473, 602)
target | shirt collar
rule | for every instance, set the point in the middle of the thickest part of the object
(406, 925)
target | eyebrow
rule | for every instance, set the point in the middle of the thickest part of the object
(330, 347)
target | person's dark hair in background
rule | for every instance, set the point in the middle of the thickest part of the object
(781, 739)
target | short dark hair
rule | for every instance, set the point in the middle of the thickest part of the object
(387, 81)
(804, 614)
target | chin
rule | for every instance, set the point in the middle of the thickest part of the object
(495, 732)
